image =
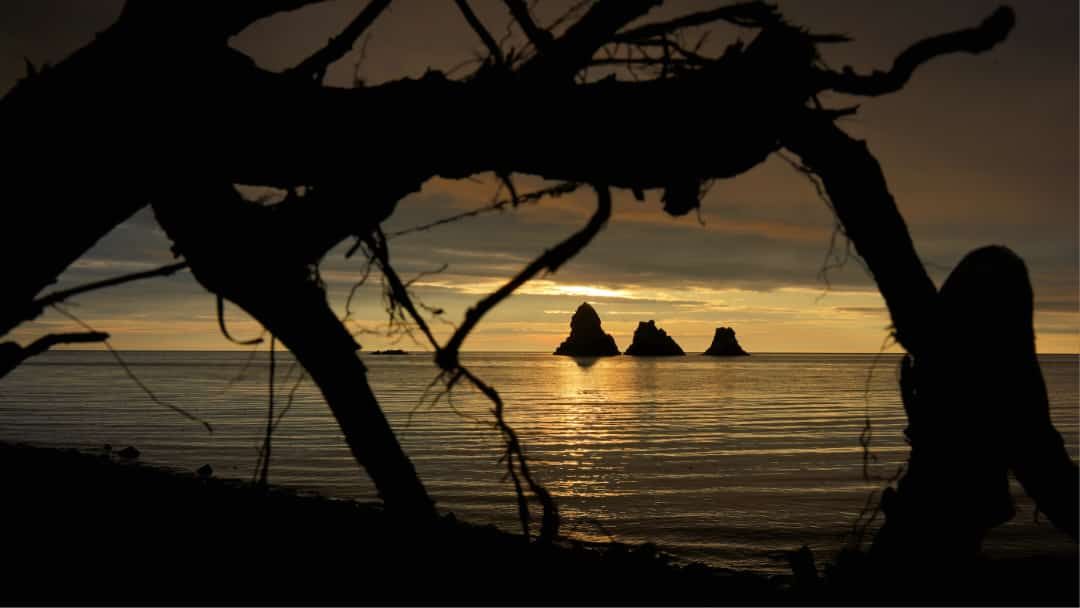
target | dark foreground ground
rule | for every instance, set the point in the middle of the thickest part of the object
(87, 529)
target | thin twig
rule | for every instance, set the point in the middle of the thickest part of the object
(531, 197)
(315, 66)
(448, 359)
(551, 260)
(285, 410)
(243, 368)
(12, 355)
(265, 472)
(127, 370)
(540, 38)
(225, 331)
(481, 31)
(746, 14)
(59, 296)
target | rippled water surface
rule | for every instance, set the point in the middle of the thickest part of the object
(722, 460)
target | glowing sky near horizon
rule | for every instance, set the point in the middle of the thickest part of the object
(976, 149)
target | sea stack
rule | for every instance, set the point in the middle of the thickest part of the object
(651, 341)
(724, 344)
(587, 337)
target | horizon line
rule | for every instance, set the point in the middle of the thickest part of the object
(524, 352)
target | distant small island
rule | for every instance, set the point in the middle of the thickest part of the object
(587, 337)
(651, 341)
(724, 344)
(389, 351)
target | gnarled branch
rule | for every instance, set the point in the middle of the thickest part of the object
(993, 30)
(748, 14)
(59, 296)
(540, 38)
(572, 51)
(12, 355)
(315, 66)
(481, 31)
(551, 260)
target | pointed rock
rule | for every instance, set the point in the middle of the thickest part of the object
(651, 341)
(724, 344)
(587, 337)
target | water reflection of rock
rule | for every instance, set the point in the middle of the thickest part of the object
(587, 337)
(585, 362)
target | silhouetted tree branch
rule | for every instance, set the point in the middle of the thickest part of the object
(224, 239)
(219, 102)
(861, 199)
(236, 15)
(550, 261)
(315, 66)
(166, 64)
(481, 31)
(12, 355)
(747, 14)
(59, 296)
(530, 197)
(979, 39)
(975, 398)
(447, 355)
(540, 38)
(573, 50)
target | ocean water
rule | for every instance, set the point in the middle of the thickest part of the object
(727, 461)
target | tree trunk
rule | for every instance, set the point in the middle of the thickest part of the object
(241, 251)
(972, 387)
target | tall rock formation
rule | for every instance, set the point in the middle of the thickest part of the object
(587, 337)
(651, 341)
(724, 344)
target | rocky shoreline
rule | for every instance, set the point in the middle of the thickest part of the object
(90, 528)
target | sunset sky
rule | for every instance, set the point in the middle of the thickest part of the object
(976, 149)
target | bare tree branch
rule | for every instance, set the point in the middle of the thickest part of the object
(12, 355)
(264, 468)
(750, 14)
(873, 222)
(130, 374)
(993, 30)
(236, 15)
(315, 66)
(539, 37)
(551, 261)
(573, 50)
(481, 31)
(225, 329)
(228, 102)
(448, 360)
(530, 197)
(59, 296)
(225, 237)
